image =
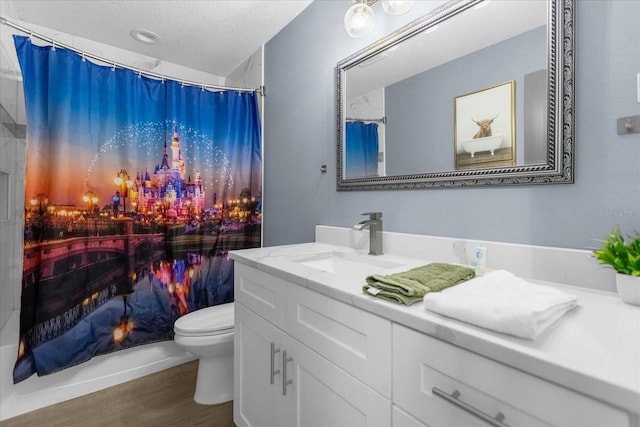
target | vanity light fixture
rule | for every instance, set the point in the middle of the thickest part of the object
(144, 36)
(360, 20)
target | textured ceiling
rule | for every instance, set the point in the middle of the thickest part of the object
(213, 36)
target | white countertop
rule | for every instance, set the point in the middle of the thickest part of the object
(594, 349)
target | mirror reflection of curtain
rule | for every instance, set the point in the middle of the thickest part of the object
(361, 150)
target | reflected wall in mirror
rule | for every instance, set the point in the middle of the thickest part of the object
(401, 101)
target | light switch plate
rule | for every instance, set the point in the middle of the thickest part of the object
(628, 125)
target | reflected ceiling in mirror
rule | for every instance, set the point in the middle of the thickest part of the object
(474, 93)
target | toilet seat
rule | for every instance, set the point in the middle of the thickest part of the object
(214, 320)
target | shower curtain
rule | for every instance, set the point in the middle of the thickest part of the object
(136, 190)
(361, 152)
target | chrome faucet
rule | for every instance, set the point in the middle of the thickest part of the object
(374, 223)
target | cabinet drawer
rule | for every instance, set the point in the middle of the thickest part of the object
(261, 292)
(354, 340)
(426, 370)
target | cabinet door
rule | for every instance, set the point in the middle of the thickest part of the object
(257, 402)
(321, 394)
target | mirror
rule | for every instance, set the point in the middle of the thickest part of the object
(475, 93)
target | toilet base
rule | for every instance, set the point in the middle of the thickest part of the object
(214, 384)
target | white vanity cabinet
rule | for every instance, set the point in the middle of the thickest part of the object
(444, 385)
(314, 363)
(305, 359)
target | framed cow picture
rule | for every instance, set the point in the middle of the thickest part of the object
(484, 127)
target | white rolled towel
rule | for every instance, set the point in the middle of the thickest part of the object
(502, 302)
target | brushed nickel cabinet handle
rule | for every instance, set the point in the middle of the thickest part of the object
(285, 382)
(274, 350)
(453, 398)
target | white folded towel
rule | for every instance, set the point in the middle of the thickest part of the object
(502, 302)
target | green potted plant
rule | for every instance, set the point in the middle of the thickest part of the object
(624, 256)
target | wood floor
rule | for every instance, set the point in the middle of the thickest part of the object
(163, 399)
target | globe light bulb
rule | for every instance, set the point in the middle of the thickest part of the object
(359, 20)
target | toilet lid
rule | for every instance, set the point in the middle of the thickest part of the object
(206, 321)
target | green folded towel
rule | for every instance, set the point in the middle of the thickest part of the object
(411, 286)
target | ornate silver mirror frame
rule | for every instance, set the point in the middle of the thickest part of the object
(559, 165)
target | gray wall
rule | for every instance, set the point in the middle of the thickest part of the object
(300, 135)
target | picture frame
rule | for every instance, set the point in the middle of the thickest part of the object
(484, 127)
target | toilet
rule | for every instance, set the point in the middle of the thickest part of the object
(208, 334)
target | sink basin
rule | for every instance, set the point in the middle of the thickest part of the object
(347, 262)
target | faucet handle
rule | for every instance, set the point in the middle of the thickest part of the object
(373, 215)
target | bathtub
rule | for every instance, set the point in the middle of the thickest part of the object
(489, 143)
(96, 374)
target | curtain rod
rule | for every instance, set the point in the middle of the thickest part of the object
(114, 64)
(383, 120)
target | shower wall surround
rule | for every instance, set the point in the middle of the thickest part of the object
(12, 160)
(12, 192)
(301, 136)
